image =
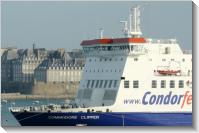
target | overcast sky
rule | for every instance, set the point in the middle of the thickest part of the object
(55, 25)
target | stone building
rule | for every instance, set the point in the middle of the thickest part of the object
(58, 70)
(23, 67)
(7, 79)
(41, 71)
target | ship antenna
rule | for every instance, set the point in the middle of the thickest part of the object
(135, 22)
(101, 32)
(125, 29)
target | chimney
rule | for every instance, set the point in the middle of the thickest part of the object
(33, 46)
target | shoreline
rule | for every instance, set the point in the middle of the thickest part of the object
(17, 96)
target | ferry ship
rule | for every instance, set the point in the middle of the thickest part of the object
(129, 81)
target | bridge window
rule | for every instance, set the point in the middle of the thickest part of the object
(97, 83)
(126, 84)
(172, 84)
(131, 48)
(135, 84)
(163, 84)
(115, 83)
(181, 84)
(88, 84)
(110, 84)
(92, 84)
(154, 84)
(105, 84)
(101, 82)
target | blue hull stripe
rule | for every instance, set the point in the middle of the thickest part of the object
(104, 119)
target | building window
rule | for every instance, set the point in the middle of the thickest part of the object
(106, 81)
(163, 59)
(101, 82)
(154, 84)
(181, 84)
(110, 84)
(135, 84)
(172, 84)
(126, 84)
(163, 84)
(135, 59)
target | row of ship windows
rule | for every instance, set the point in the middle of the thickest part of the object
(154, 84)
(110, 59)
(101, 83)
(121, 59)
(102, 70)
(110, 48)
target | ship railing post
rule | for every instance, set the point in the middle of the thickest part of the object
(123, 120)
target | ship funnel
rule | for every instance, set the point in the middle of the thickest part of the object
(134, 23)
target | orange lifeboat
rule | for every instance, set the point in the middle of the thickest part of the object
(168, 72)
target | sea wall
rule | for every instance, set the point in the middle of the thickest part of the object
(15, 96)
(40, 90)
(16, 87)
(55, 89)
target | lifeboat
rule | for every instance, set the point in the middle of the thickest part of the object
(168, 72)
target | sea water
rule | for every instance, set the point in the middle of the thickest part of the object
(7, 119)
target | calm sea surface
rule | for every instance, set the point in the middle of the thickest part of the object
(7, 118)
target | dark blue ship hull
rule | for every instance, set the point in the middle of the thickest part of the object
(103, 119)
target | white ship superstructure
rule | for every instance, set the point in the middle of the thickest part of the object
(120, 71)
